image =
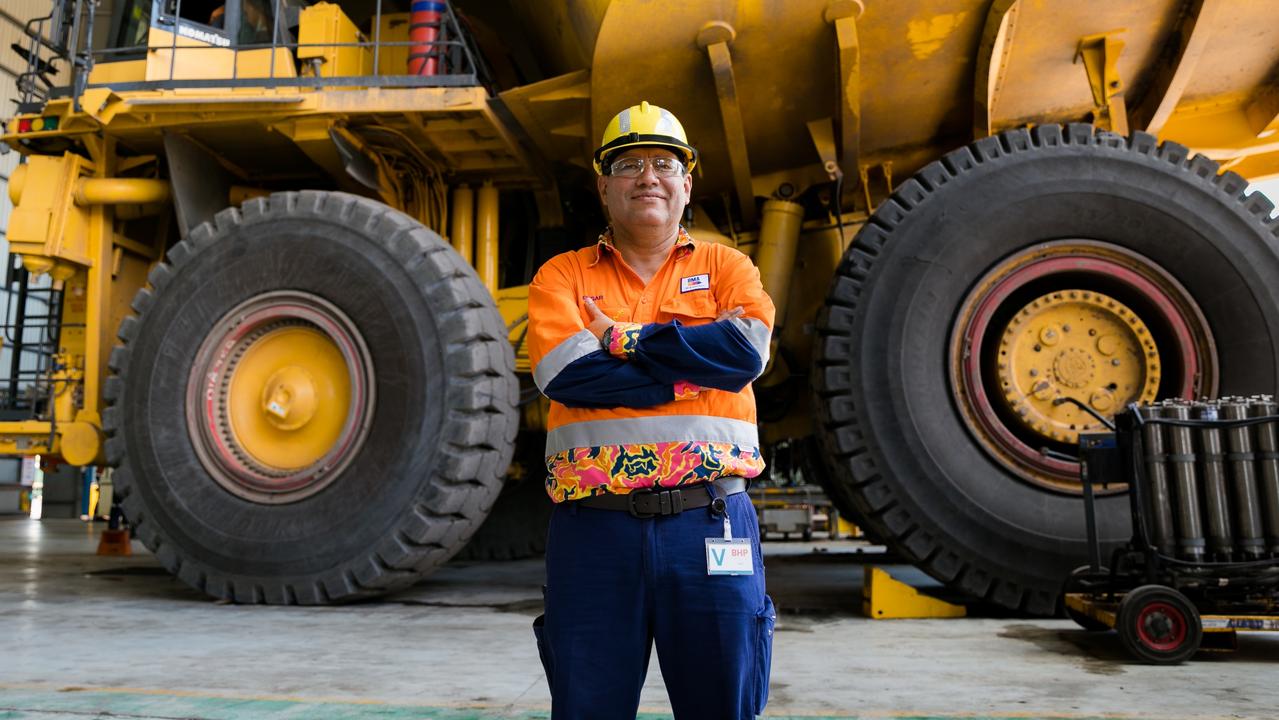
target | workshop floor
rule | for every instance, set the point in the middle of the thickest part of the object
(83, 636)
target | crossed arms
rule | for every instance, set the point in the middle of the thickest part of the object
(660, 360)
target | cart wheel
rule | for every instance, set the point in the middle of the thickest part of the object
(1159, 625)
(1072, 585)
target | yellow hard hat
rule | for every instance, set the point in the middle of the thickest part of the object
(644, 125)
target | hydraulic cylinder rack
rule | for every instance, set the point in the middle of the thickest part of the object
(1203, 561)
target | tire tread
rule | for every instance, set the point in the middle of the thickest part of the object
(480, 430)
(861, 482)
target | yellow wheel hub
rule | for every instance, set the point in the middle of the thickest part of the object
(289, 397)
(1074, 344)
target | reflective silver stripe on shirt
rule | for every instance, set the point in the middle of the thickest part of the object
(578, 345)
(655, 429)
(758, 334)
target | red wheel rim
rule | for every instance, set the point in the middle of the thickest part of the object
(208, 417)
(1040, 269)
(1161, 626)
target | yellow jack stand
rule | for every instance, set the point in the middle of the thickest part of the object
(885, 598)
(115, 542)
(846, 529)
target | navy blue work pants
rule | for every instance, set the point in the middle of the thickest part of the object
(616, 585)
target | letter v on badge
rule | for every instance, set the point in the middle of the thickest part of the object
(729, 555)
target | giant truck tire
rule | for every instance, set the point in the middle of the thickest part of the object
(1026, 268)
(315, 402)
(815, 465)
(515, 528)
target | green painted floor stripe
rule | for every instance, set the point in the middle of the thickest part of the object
(18, 704)
(139, 706)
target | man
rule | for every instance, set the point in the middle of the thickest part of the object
(646, 344)
(255, 21)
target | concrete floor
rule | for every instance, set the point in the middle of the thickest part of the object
(89, 637)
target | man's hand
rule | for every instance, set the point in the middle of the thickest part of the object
(730, 314)
(599, 321)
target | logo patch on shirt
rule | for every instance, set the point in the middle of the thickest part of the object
(696, 282)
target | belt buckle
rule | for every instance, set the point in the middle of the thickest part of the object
(669, 502)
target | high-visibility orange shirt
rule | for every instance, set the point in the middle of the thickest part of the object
(669, 402)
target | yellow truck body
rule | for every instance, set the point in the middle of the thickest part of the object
(1004, 171)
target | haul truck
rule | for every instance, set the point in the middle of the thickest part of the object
(289, 242)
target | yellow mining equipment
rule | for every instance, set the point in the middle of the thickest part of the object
(310, 226)
(311, 396)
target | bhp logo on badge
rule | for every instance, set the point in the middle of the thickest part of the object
(696, 282)
(735, 554)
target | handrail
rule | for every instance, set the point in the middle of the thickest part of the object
(458, 63)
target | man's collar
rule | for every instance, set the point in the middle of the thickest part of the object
(684, 245)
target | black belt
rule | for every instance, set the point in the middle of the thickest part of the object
(652, 503)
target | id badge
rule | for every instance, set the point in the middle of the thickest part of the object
(729, 557)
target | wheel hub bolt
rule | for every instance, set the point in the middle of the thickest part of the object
(1043, 390)
(1101, 401)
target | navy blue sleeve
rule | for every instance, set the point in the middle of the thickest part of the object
(716, 355)
(599, 380)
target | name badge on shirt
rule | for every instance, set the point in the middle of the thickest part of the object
(696, 282)
(729, 557)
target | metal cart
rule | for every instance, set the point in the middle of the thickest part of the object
(798, 509)
(1203, 561)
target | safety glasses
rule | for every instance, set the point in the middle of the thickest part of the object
(633, 167)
